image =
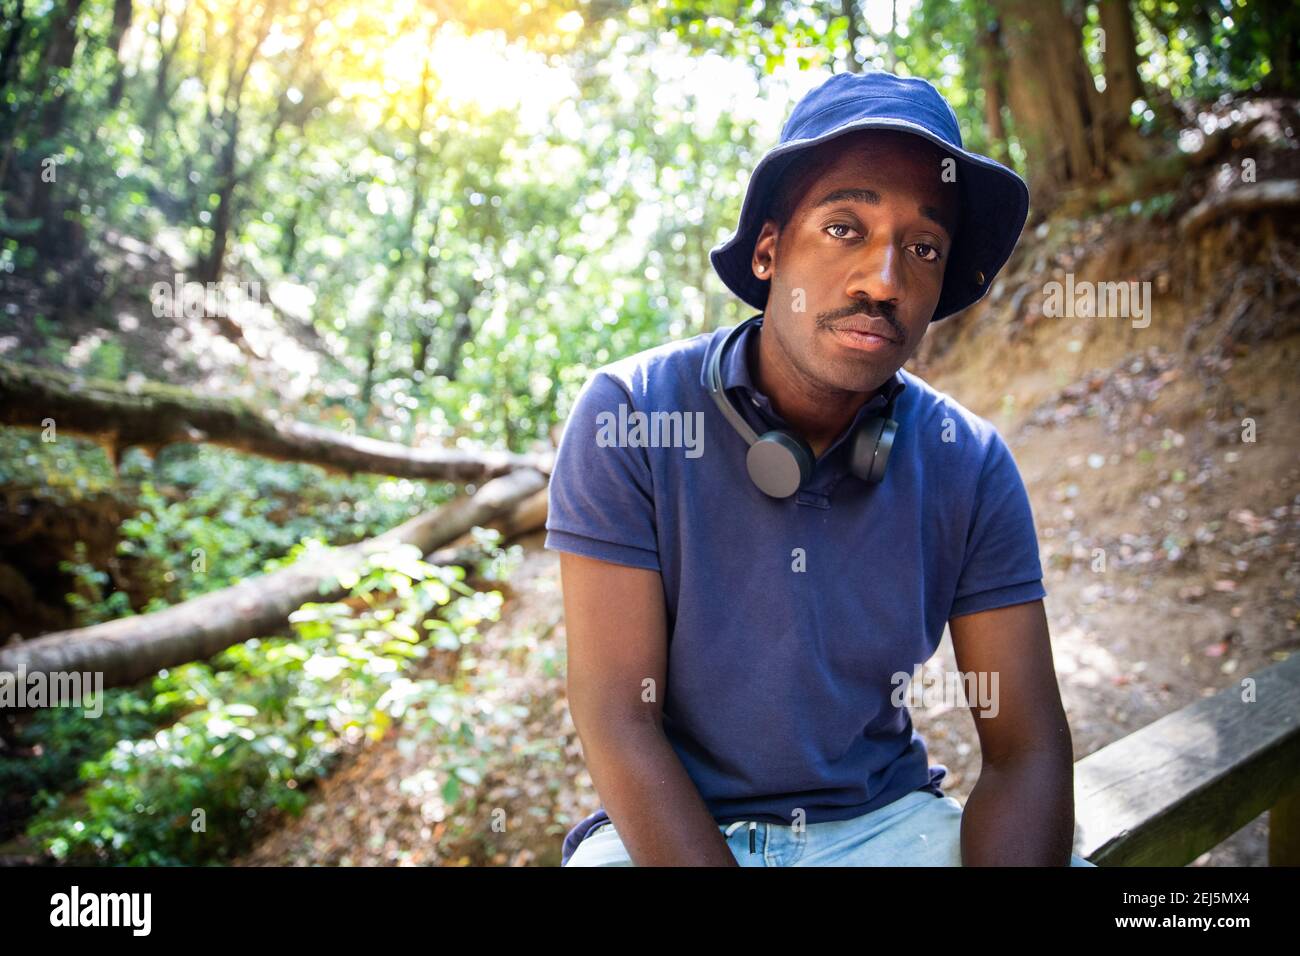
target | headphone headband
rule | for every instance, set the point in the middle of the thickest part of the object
(715, 384)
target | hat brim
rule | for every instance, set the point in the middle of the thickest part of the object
(995, 205)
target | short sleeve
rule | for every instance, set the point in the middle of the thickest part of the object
(601, 498)
(1001, 564)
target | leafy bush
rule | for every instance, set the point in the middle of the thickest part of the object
(88, 597)
(214, 518)
(62, 739)
(267, 717)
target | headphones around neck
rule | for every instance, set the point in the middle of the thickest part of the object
(779, 461)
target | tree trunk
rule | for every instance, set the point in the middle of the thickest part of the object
(892, 58)
(121, 20)
(214, 261)
(9, 71)
(162, 75)
(13, 41)
(408, 243)
(1051, 95)
(993, 67)
(157, 415)
(1120, 59)
(59, 57)
(131, 649)
(1283, 48)
(228, 177)
(1123, 143)
(849, 9)
(462, 329)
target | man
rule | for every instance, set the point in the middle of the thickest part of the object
(757, 538)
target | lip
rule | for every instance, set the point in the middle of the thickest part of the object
(863, 341)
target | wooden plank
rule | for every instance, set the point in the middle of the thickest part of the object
(1167, 793)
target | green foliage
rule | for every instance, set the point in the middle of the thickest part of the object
(227, 516)
(62, 739)
(266, 718)
(204, 517)
(88, 598)
(1202, 50)
(65, 470)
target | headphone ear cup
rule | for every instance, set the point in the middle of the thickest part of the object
(807, 459)
(872, 443)
(779, 463)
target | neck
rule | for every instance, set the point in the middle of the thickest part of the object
(818, 414)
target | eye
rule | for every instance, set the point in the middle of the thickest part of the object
(925, 251)
(840, 225)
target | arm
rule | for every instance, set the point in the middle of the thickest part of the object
(617, 631)
(1021, 811)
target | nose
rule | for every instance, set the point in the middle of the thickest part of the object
(878, 272)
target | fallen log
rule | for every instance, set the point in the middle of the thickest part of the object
(155, 415)
(528, 515)
(524, 518)
(132, 648)
(1246, 198)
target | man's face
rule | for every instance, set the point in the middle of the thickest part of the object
(864, 251)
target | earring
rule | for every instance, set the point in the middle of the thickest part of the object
(762, 268)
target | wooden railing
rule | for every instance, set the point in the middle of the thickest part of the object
(1164, 795)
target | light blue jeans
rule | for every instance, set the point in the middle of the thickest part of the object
(918, 829)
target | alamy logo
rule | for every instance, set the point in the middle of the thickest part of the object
(978, 690)
(638, 429)
(102, 909)
(22, 690)
(194, 300)
(1102, 300)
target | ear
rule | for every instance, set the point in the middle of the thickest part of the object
(763, 262)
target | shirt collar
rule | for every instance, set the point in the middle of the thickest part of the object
(735, 374)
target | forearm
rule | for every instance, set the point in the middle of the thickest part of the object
(652, 802)
(1021, 812)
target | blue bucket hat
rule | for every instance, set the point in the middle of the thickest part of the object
(994, 200)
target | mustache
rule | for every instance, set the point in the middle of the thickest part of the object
(869, 307)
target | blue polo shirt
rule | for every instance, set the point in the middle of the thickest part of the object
(787, 618)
